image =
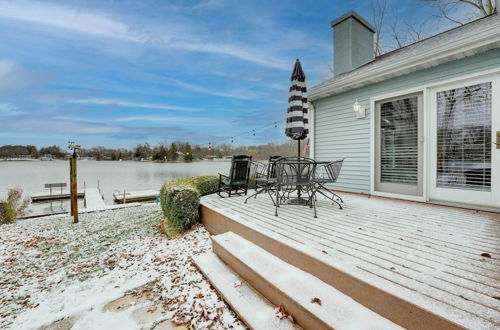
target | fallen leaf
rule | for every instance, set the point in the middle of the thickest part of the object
(486, 255)
(316, 301)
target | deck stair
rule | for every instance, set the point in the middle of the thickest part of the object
(313, 303)
(255, 310)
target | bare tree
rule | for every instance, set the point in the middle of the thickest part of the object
(447, 8)
(391, 33)
(378, 8)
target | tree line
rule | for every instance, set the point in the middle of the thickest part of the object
(175, 151)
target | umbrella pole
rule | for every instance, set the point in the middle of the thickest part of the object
(298, 174)
(298, 150)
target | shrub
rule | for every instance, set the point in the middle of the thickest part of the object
(13, 206)
(180, 199)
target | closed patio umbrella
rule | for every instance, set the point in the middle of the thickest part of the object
(297, 116)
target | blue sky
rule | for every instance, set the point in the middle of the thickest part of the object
(118, 73)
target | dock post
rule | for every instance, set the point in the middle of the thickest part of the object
(73, 187)
(124, 196)
(84, 194)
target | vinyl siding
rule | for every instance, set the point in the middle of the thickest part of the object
(338, 134)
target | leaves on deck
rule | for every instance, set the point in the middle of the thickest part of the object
(316, 301)
(486, 255)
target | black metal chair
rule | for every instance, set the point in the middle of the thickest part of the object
(327, 174)
(236, 183)
(265, 178)
(294, 174)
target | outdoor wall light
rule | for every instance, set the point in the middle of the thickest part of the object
(359, 110)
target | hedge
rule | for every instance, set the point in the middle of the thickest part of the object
(180, 199)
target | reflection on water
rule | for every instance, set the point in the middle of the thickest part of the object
(129, 175)
(53, 207)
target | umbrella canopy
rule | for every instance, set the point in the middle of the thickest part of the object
(297, 117)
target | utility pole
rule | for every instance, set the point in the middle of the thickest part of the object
(73, 181)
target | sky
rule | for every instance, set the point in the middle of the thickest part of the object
(117, 73)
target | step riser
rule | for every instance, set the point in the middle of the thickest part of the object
(389, 306)
(273, 294)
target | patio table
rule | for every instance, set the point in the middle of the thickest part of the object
(295, 174)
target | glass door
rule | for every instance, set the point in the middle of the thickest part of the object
(464, 156)
(398, 145)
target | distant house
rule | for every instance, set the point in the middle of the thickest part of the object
(419, 123)
(47, 157)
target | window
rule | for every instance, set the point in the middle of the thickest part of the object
(464, 138)
(399, 141)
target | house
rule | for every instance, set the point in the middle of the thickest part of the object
(420, 123)
(417, 124)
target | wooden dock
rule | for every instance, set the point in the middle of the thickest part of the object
(44, 196)
(122, 197)
(94, 201)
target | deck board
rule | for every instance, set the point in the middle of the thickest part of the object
(433, 250)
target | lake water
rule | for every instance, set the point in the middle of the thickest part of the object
(31, 176)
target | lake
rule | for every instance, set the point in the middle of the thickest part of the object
(31, 176)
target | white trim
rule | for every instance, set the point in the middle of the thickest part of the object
(458, 43)
(312, 123)
(373, 100)
(398, 196)
(487, 199)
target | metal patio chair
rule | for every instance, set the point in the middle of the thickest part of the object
(327, 174)
(236, 183)
(265, 178)
(293, 174)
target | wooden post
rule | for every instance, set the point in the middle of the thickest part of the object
(73, 187)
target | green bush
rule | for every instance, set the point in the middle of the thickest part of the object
(13, 206)
(180, 199)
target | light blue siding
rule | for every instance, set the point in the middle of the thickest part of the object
(337, 132)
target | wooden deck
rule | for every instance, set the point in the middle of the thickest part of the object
(434, 258)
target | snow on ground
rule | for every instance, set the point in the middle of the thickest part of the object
(52, 269)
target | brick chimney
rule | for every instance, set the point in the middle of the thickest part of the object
(353, 42)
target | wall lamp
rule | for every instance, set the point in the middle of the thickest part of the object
(359, 110)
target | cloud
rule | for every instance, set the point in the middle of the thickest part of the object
(199, 121)
(242, 93)
(94, 23)
(6, 108)
(14, 78)
(72, 127)
(128, 104)
(66, 18)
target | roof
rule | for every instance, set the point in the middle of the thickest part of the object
(467, 40)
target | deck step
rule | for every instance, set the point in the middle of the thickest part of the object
(312, 303)
(255, 310)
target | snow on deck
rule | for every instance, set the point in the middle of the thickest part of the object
(439, 252)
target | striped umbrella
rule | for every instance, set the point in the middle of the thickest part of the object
(297, 117)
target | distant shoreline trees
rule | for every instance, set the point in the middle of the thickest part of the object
(176, 151)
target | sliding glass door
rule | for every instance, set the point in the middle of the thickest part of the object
(464, 158)
(398, 145)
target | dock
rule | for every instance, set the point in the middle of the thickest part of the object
(122, 197)
(64, 194)
(94, 201)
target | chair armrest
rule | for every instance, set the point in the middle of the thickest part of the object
(223, 175)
